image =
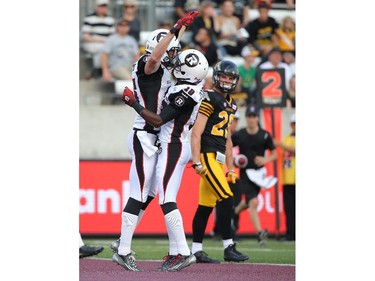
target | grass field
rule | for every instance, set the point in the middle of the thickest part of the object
(274, 252)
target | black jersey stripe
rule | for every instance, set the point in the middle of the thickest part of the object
(138, 152)
(174, 152)
(214, 181)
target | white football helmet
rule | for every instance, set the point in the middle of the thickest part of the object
(173, 48)
(190, 66)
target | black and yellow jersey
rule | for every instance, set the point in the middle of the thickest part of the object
(220, 112)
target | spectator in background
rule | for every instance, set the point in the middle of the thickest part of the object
(290, 60)
(286, 35)
(88, 251)
(253, 142)
(248, 73)
(183, 6)
(241, 10)
(96, 28)
(262, 31)
(288, 146)
(119, 53)
(228, 27)
(205, 45)
(207, 19)
(130, 14)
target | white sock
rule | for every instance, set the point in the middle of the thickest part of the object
(128, 225)
(174, 221)
(173, 251)
(196, 247)
(227, 242)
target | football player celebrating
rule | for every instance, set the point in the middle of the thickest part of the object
(178, 115)
(151, 77)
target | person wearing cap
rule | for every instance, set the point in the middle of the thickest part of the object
(119, 53)
(253, 142)
(97, 27)
(288, 146)
(248, 73)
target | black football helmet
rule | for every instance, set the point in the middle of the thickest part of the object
(228, 68)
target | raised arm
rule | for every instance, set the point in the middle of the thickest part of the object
(154, 61)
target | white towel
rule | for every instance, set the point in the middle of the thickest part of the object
(259, 177)
(148, 147)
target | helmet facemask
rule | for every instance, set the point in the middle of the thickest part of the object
(170, 57)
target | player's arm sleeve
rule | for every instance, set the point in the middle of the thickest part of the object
(206, 108)
(168, 113)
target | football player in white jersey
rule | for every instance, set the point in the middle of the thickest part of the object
(178, 115)
(151, 78)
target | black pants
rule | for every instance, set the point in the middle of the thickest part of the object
(237, 194)
(289, 195)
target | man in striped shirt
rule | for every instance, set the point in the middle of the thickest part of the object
(96, 28)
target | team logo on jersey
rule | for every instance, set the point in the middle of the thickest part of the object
(191, 60)
(179, 101)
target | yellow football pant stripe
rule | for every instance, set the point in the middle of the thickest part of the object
(213, 186)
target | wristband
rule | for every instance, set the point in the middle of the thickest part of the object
(229, 171)
(137, 107)
(196, 164)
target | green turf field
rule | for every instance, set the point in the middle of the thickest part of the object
(274, 251)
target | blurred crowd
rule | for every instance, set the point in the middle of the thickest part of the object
(222, 30)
